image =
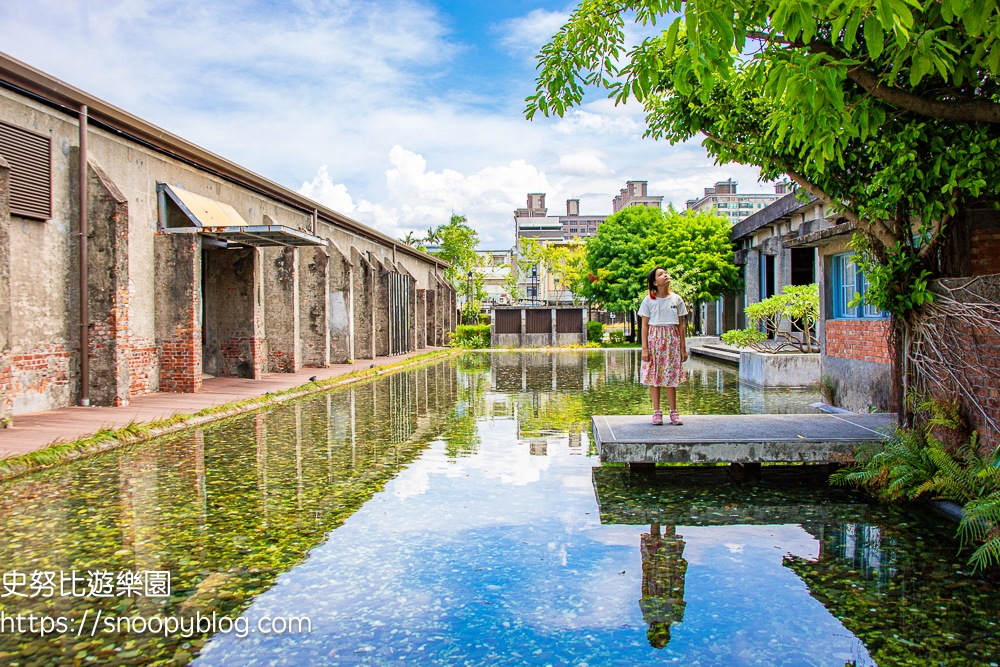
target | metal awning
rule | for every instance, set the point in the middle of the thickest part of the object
(226, 226)
(263, 235)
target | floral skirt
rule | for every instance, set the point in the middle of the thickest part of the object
(664, 366)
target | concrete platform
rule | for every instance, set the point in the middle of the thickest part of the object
(823, 438)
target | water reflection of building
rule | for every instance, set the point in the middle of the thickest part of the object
(663, 570)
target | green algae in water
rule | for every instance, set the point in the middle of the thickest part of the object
(450, 515)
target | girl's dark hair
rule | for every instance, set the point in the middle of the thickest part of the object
(651, 281)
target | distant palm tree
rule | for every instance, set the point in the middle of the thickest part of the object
(411, 239)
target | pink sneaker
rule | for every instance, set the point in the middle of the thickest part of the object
(657, 418)
(675, 418)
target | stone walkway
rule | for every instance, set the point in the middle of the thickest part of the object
(36, 430)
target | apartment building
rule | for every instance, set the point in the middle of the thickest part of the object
(727, 202)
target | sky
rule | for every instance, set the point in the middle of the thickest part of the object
(396, 113)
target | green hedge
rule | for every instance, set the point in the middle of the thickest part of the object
(595, 332)
(472, 336)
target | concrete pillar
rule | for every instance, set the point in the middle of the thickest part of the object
(107, 279)
(341, 306)
(281, 310)
(177, 307)
(411, 307)
(6, 384)
(420, 321)
(552, 329)
(383, 270)
(364, 306)
(314, 296)
(233, 342)
(431, 315)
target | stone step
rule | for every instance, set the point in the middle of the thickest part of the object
(715, 352)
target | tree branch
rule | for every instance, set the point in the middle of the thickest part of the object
(967, 111)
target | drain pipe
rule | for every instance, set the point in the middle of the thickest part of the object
(84, 295)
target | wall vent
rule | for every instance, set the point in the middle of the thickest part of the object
(30, 157)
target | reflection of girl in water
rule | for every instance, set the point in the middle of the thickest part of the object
(663, 349)
(663, 570)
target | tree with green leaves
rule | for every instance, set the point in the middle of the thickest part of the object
(888, 111)
(693, 247)
(457, 243)
(566, 262)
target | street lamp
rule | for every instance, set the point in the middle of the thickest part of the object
(468, 299)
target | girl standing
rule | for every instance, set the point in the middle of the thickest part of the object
(663, 349)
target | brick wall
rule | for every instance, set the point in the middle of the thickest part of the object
(864, 340)
(180, 358)
(142, 366)
(243, 357)
(41, 370)
(985, 251)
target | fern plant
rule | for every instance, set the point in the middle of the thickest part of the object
(912, 462)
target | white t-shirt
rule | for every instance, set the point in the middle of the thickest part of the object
(663, 310)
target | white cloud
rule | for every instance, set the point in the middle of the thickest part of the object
(583, 164)
(579, 121)
(326, 192)
(527, 34)
(416, 198)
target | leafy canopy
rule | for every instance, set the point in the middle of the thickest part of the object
(886, 110)
(694, 248)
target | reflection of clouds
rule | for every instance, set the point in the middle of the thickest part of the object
(784, 540)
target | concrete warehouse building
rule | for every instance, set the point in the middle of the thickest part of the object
(191, 264)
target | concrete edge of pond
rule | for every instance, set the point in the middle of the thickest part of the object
(107, 439)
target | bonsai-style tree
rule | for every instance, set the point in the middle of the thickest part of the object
(796, 304)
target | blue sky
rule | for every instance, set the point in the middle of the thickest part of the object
(396, 113)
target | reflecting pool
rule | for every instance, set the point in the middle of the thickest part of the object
(456, 514)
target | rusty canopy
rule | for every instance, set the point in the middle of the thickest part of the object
(224, 224)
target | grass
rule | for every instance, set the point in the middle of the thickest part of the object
(108, 438)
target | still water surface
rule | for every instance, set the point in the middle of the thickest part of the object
(455, 515)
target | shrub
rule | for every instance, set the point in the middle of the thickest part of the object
(471, 336)
(798, 303)
(616, 336)
(484, 318)
(595, 332)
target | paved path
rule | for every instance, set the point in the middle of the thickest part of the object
(36, 430)
(736, 438)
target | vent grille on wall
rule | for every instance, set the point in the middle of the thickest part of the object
(29, 155)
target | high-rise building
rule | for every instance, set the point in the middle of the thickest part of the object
(736, 206)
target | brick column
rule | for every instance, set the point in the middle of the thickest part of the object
(178, 311)
(281, 310)
(108, 278)
(6, 385)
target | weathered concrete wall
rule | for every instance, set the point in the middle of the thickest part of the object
(233, 345)
(39, 353)
(341, 306)
(858, 385)
(314, 295)
(281, 310)
(6, 386)
(788, 371)
(178, 311)
(364, 303)
(107, 288)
